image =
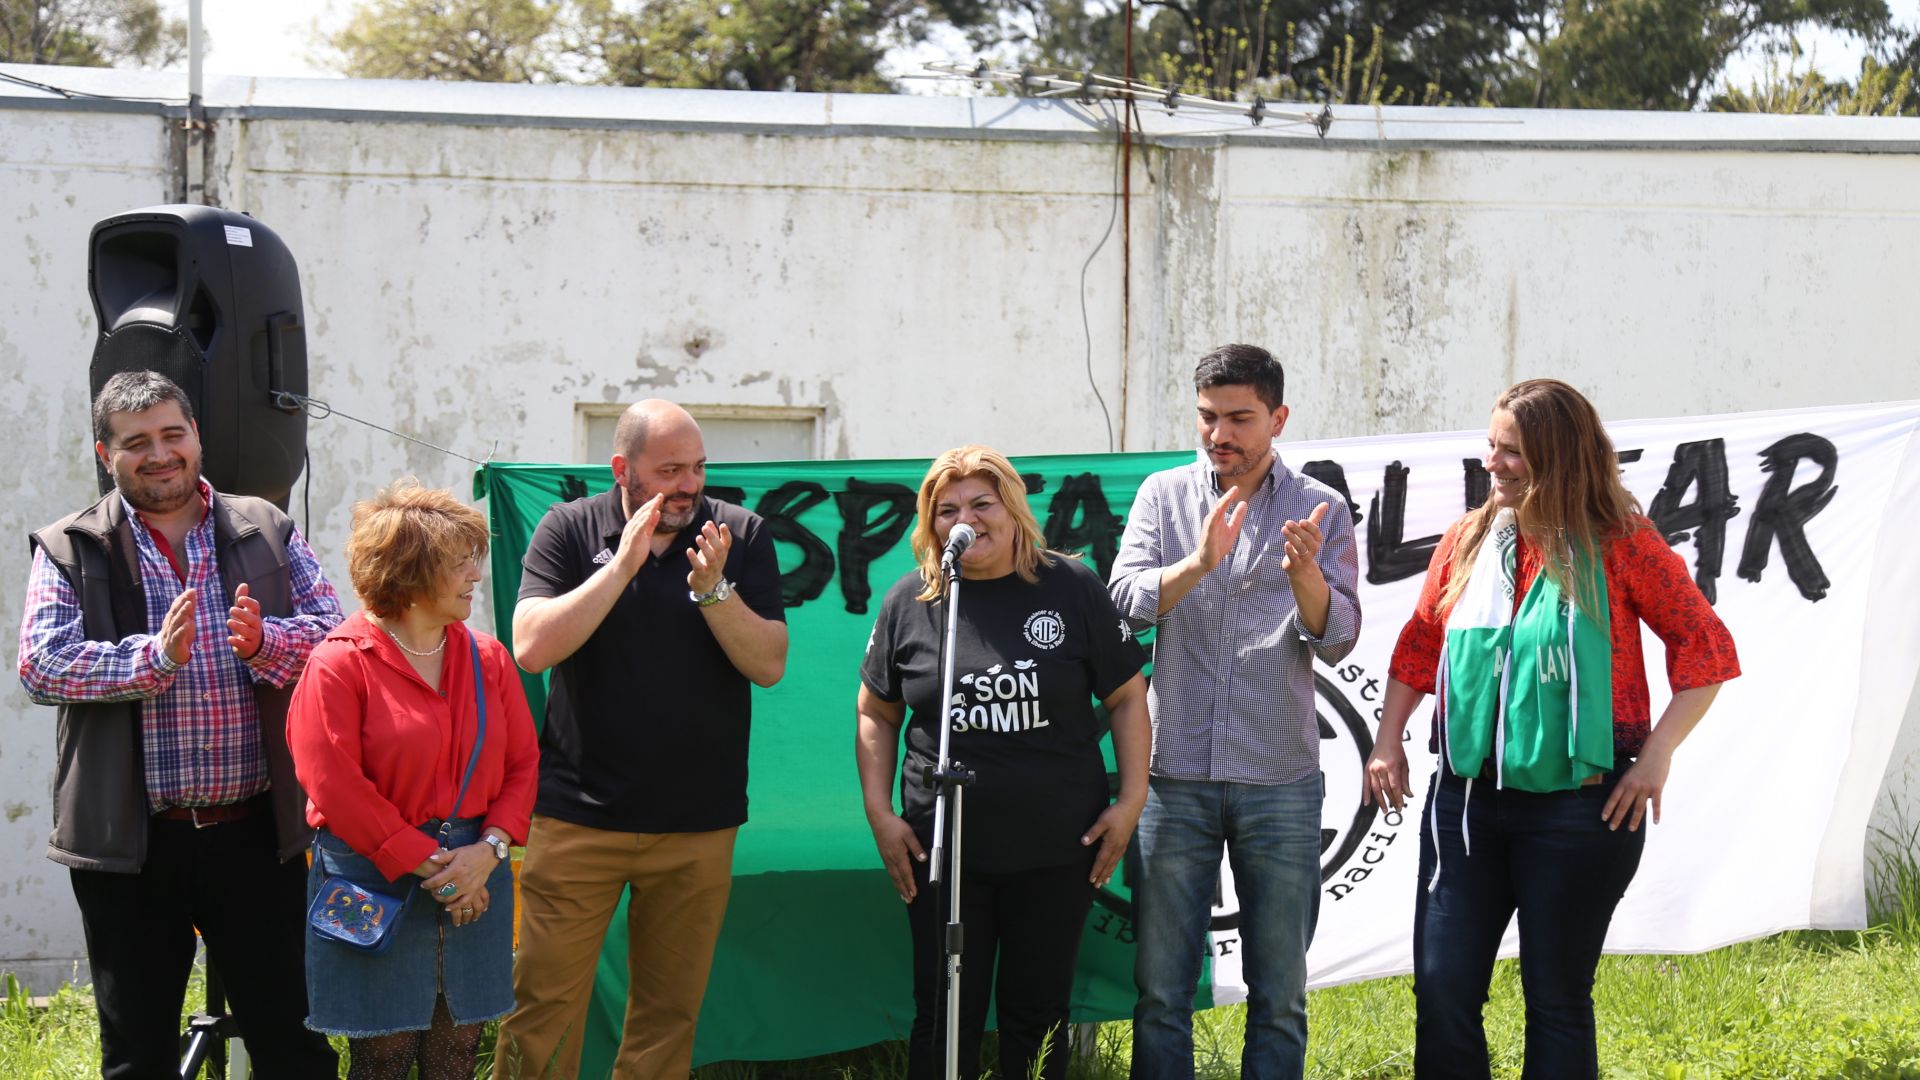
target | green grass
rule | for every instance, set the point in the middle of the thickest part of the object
(1806, 1004)
(1799, 1005)
(1803, 1004)
(62, 1039)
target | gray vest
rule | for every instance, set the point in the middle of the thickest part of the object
(100, 787)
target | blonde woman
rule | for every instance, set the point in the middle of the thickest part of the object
(1038, 641)
(1528, 632)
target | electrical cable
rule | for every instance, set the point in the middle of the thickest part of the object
(71, 94)
(320, 410)
(306, 494)
(1086, 326)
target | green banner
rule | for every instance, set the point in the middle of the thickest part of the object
(814, 954)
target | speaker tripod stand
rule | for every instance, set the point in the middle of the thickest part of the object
(204, 1043)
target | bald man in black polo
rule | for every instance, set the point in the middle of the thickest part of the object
(657, 609)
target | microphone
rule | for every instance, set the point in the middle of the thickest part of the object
(958, 541)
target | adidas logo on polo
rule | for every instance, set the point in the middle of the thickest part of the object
(605, 557)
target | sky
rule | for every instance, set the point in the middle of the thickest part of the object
(264, 37)
(277, 37)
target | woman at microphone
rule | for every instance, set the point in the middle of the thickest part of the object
(1038, 640)
(1528, 633)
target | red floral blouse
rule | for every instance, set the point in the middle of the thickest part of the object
(1647, 581)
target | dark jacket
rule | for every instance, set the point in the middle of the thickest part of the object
(100, 787)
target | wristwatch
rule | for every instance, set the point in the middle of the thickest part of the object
(720, 592)
(499, 846)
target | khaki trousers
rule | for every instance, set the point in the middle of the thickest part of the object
(570, 884)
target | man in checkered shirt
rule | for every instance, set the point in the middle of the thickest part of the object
(168, 622)
(1248, 571)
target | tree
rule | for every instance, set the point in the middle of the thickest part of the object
(461, 40)
(1413, 50)
(809, 45)
(1666, 54)
(1625, 54)
(91, 33)
(1880, 90)
(1631, 54)
(721, 44)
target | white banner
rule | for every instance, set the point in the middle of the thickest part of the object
(1802, 525)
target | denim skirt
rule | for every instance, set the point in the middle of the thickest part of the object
(355, 993)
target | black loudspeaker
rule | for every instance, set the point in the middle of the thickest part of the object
(210, 298)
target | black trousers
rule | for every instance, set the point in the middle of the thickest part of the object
(251, 909)
(1031, 922)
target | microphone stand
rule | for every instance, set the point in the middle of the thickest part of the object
(949, 779)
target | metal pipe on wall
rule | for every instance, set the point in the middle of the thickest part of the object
(196, 122)
(1126, 229)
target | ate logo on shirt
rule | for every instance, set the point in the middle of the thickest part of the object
(998, 699)
(1045, 629)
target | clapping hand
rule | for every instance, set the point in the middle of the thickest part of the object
(1222, 529)
(708, 557)
(245, 628)
(1303, 544)
(177, 628)
(636, 537)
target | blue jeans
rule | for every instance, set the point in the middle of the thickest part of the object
(1272, 840)
(1548, 857)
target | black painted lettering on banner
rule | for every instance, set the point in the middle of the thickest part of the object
(1477, 481)
(1784, 510)
(1390, 556)
(1079, 519)
(1700, 467)
(1331, 474)
(874, 516)
(782, 508)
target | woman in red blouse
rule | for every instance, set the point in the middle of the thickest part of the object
(1528, 629)
(382, 728)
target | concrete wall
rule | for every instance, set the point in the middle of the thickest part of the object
(480, 262)
(56, 172)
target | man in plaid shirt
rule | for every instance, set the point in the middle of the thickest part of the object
(168, 623)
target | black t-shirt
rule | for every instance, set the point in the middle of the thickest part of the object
(646, 727)
(1029, 660)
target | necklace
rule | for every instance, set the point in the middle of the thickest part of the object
(417, 652)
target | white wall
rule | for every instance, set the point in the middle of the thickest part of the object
(56, 172)
(478, 261)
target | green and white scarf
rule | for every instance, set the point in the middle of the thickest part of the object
(1534, 689)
